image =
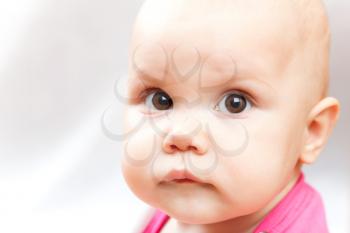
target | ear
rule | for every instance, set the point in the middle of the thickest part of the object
(320, 124)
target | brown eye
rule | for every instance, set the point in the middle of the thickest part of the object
(234, 103)
(159, 100)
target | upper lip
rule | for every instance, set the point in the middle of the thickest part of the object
(181, 174)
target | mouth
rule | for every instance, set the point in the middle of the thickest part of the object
(181, 177)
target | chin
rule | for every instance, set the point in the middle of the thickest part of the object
(191, 217)
(193, 212)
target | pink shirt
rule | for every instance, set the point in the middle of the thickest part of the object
(300, 211)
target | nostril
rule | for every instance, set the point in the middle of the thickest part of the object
(174, 147)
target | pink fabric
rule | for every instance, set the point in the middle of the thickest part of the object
(300, 211)
(157, 222)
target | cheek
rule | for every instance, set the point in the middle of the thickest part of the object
(228, 138)
(274, 142)
(138, 183)
(254, 177)
(139, 149)
(140, 146)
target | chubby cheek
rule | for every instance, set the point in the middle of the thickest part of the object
(252, 179)
(139, 149)
(138, 183)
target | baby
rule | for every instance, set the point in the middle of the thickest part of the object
(227, 100)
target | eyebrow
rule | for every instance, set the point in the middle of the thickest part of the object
(252, 79)
(139, 81)
(247, 77)
(146, 78)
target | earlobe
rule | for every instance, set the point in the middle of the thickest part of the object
(321, 122)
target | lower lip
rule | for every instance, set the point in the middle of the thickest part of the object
(184, 181)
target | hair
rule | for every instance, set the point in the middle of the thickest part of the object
(317, 37)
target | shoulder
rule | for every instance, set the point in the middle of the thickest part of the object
(301, 210)
(311, 217)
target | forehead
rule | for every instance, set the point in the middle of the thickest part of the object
(255, 38)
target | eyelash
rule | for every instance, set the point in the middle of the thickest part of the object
(250, 100)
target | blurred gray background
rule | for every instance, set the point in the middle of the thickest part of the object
(59, 172)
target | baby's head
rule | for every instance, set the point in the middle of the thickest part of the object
(233, 92)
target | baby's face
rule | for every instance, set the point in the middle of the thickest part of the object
(219, 95)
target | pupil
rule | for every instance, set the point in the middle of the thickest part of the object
(235, 103)
(162, 101)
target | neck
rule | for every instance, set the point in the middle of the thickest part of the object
(242, 224)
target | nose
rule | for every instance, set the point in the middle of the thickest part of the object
(186, 136)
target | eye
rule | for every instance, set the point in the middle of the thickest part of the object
(159, 100)
(233, 103)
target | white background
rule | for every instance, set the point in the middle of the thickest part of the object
(58, 171)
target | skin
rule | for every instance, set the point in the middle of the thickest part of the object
(276, 53)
